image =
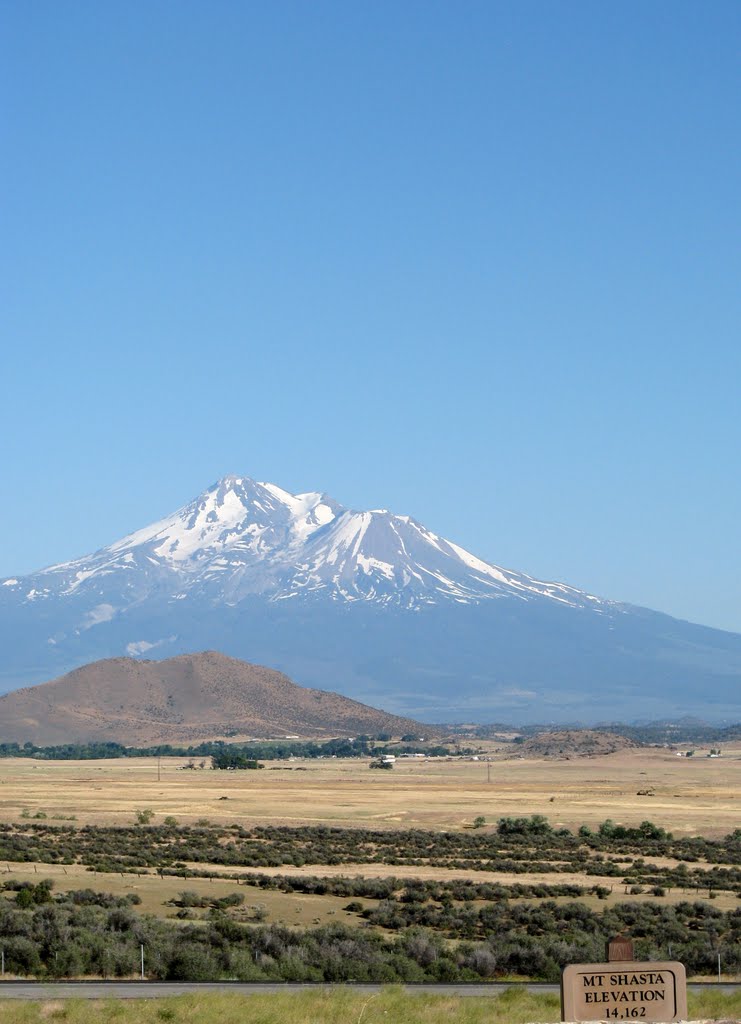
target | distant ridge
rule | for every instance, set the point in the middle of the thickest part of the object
(182, 700)
(567, 743)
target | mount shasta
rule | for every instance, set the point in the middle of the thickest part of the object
(369, 604)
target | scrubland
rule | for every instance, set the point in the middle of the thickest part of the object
(328, 844)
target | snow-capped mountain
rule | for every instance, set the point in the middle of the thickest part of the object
(370, 603)
(242, 538)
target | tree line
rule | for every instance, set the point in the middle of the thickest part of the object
(266, 750)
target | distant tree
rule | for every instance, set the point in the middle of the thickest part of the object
(535, 825)
(235, 761)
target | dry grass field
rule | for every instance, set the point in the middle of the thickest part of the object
(688, 796)
(291, 909)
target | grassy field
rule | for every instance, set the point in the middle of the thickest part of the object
(689, 796)
(392, 1006)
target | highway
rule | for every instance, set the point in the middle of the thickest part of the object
(159, 989)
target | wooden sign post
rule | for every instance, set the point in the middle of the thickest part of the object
(624, 988)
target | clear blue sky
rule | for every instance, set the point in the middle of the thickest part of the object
(474, 262)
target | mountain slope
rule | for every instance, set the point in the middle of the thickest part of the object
(183, 700)
(370, 604)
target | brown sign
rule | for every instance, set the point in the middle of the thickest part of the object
(624, 990)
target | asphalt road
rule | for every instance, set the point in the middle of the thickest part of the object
(160, 989)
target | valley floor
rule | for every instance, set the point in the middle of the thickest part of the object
(690, 796)
(205, 849)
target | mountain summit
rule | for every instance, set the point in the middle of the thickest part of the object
(241, 538)
(368, 603)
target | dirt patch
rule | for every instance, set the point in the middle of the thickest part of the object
(52, 1010)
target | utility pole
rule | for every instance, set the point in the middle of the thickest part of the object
(142, 951)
